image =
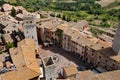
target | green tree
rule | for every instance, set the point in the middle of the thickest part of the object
(68, 19)
(43, 16)
(9, 45)
(13, 12)
(63, 17)
(52, 14)
(75, 20)
(59, 34)
(58, 15)
(3, 39)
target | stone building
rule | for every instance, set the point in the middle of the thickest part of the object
(49, 68)
(23, 57)
(89, 49)
(116, 41)
(50, 30)
(47, 31)
(40, 32)
(2, 14)
(67, 39)
(89, 75)
(7, 8)
(70, 72)
(84, 46)
(30, 30)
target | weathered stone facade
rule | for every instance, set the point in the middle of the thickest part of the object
(49, 68)
(116, 41)
(86, 47)
(30, 30)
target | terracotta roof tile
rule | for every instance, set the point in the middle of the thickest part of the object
(85, 75)
(70, 70)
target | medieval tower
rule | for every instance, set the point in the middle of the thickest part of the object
(30, 28)
(116, 41)
(49, 68)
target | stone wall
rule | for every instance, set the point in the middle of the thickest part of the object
(116, 41)
(30, 30)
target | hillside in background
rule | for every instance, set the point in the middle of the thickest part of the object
(100, 13)
(104, 3)
(34, 3)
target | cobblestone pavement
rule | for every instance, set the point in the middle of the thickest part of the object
(64, 58)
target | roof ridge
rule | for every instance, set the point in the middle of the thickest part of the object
(32, 70)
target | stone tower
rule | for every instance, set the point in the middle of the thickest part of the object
(49, 68)
(30, 28)
(116, 41)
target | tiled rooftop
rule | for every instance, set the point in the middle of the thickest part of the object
(80, 24)
(89, 75)
(63, 26)
(24, 74)
(23, 58)
(85, 75)
(24, 55)
(70, 70)
(90, 41)
(116, 58)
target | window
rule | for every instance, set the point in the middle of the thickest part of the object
(98, 62)
(65, 38)
(32, 37)
(106, 60)
(76, 49)
(8, 31)
(30, 21)
(105, 67)
(78, 55)
(102, 47)
(86, 49)
(81, 57)
(99, 57)
(86, 59)
(113, 64)
(82, 47)
(92, 54)
(91, 62)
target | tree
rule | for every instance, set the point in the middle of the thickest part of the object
(63, 17)
(52, 14)
(60, 36)
(58, 15)
(75, 20)
(105, 24)
(9, 45)
(42, 16)
(13, 12)
(68, 19)
(3, 40)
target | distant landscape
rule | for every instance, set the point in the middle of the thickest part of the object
(101, 13)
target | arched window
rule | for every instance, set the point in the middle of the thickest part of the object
(32, 37)
(30, 21)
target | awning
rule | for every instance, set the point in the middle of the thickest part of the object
(100, 69)
(45, 44)
(51, 43)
